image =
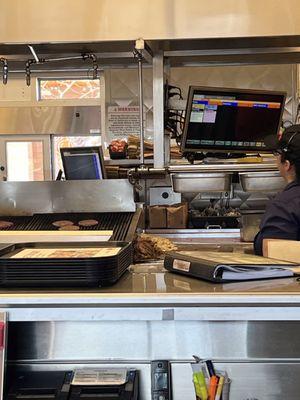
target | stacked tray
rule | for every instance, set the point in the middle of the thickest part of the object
(63, 271)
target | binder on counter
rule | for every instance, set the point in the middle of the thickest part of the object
(228, 267)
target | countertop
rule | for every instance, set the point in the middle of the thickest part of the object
(151, 281)
(148, 292)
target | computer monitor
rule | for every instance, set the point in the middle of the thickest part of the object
(230, 120)
(83, 163)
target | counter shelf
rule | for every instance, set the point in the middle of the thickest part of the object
(153, 314)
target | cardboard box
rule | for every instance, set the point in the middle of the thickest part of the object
(157, 217)
(285, 250)
(177, 216)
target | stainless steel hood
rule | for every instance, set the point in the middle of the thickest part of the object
(193, 32)
(35, 21)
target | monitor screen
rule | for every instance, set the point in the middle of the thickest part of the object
(219, 119)
(83, 163)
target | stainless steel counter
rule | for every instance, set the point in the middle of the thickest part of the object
(156, 294)
(249, 329)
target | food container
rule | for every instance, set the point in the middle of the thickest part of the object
(118, 149)
(191, 182)
(117, 155)
(261, 181)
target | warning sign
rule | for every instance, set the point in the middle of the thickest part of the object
(123, 121)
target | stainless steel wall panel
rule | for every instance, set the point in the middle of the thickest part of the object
(147, 340)
(27, 198)
(49, 120)
(106, 195)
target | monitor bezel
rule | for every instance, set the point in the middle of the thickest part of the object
(225, 149)
(92, 149)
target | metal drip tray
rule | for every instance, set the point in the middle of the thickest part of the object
(200, 182)
(261, 181)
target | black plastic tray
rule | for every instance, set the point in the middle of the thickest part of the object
(63, 272)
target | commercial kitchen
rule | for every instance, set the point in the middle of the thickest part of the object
(101, 105)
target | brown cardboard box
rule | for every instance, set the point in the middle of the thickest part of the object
(177, 216)
(157, 217)
(285, 250)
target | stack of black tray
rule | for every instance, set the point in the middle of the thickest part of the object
(63, 272)
(58, 385)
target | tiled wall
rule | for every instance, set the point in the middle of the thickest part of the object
(123, 84)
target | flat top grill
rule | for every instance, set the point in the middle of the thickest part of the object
(118, 222)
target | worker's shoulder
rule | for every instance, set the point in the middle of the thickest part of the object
(290, 194)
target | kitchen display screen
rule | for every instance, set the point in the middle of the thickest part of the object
(82, 163)
(231, 119)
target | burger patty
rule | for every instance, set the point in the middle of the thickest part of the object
(88, 222)
(61, 223)
(6, 224)
(69, 228)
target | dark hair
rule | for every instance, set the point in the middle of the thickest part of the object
(297, 168)
(294, 161)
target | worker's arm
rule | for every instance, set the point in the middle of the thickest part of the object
(279, 222)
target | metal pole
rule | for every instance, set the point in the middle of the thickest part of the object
(159, 143)
(141, 104)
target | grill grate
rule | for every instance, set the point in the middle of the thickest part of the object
(118, 222)
(19, 223)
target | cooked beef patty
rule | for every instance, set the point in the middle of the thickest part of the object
(61, 223)
(69, 228)
(88, 222)
(6, 224)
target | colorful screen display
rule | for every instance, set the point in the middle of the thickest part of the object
(220, 119)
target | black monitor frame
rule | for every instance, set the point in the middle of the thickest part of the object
(80, 150)
(225, 149)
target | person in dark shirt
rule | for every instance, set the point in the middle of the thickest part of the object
(282, 216)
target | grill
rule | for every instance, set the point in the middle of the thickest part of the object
(20, 223)
(119, 222)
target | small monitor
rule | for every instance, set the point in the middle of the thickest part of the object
(230, 120)
(83, 163)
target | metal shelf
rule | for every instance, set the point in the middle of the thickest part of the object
(127, 162)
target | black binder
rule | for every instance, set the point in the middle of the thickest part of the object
(228, 267)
